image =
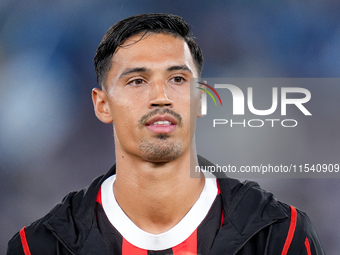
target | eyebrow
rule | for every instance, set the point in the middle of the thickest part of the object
(179, 68)
(144, 70)
(134, 70)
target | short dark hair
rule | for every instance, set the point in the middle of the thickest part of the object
(147, 23)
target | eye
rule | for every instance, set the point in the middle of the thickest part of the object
(136, 82)
(178, 80)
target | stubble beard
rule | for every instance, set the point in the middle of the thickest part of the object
(161, 150)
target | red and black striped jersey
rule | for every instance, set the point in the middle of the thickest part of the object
(194, 234)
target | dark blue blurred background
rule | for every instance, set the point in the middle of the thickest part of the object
(52, 143)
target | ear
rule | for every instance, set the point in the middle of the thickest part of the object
(101, 105)
(202, 109)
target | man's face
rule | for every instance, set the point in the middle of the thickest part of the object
(147, 91)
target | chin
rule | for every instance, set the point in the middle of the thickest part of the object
(160, 151)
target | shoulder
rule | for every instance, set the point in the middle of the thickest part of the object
(291, 229)
(286, 229)
(37, 235)
(66, 225)
(300, 237)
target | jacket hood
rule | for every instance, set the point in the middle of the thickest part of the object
(247, 209)
(73, 221)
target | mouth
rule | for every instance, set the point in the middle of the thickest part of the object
(161, 124)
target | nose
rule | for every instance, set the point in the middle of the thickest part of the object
(159, 95)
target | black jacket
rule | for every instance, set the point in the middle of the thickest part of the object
(255, 223)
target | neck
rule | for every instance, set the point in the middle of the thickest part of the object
(156, 196)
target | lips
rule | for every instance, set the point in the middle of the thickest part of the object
(161, 124)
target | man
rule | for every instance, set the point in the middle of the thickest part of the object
(147, 203)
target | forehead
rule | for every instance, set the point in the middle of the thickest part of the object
(152, 50)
